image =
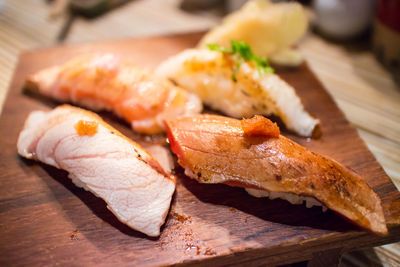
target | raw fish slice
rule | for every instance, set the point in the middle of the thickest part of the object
(104, 82)
(216, 149)
(103, 161)
(209, 75)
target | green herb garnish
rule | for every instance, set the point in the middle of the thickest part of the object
(244, 53)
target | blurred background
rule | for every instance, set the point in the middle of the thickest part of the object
(352, 46)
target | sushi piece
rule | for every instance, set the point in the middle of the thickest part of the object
(104, 82)
(103, 161)
(252, 154)
(238, 88)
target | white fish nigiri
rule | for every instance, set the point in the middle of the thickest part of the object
(103, 161)
(209, 75)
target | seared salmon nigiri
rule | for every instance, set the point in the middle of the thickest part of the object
(237, 86)
(104, 82)
(103, 161)
(252, 154)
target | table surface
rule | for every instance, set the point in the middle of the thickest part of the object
(362, 88)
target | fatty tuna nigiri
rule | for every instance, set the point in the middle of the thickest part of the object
(103, 161)
(104, 82)
(252, 154)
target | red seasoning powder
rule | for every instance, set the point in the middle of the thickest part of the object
(83, 127)
(260, 126)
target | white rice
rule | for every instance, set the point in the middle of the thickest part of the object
(292, 198)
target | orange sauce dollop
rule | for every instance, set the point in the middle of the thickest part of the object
(260, 126)
(89, 128)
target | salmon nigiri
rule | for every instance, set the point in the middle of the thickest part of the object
(252, 154)
(103, 161)
(104, 82)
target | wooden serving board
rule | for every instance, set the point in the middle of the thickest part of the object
(45, 219)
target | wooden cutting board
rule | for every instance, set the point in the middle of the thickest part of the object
(45, 219)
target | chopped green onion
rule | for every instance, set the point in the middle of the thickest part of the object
(244, 53)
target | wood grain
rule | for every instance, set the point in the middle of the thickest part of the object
(45, 219)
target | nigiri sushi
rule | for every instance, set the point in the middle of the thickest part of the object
(252, 154)
(237, 88)
(103, 161)
(104, 82)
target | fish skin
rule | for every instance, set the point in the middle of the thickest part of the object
(208, 74)
(135, 187)
(104, 82)
(214, 149)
